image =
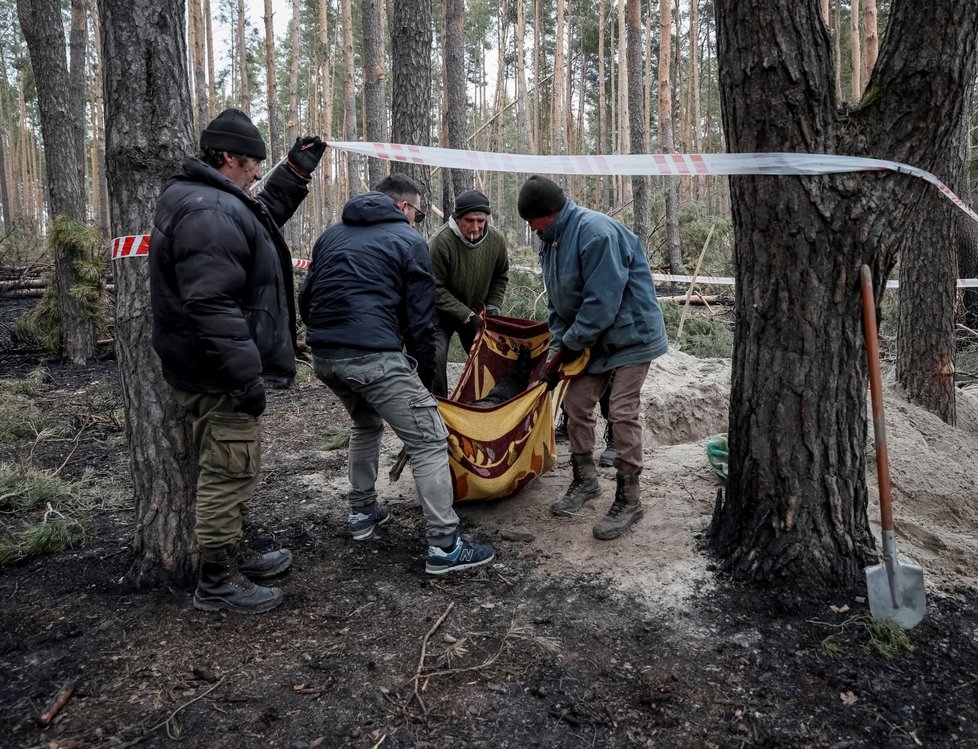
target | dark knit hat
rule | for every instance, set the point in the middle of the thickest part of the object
(471, 201)
(233, 131)
(540, 196)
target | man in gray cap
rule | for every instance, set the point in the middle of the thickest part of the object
(471, 267)
(600, 297)
(224, 327)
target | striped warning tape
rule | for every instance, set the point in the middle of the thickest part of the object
(662, 164)
(137, 245)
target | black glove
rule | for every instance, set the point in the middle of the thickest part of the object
(304, 156)
(551, 377)
(567, 354)
(492, 311)
(472, 325)
(250, 399)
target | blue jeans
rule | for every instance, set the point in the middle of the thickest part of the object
(384, 386)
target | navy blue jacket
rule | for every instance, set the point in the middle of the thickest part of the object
(221, 281)
(370, 285)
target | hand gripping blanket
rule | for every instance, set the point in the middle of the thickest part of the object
(500, 417)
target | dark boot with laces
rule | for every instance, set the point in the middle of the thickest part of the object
(626, 509)
(222, 587)
(583, 488)
(257, 566)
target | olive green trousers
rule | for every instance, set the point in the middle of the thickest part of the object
(229, 457)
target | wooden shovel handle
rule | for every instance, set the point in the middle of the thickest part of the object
(876, 392)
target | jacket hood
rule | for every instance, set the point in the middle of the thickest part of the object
(372, 208)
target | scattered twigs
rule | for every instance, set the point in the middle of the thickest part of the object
(74, 447)
(59, 701)
(185, 704)
(968, 330)
(424, 652)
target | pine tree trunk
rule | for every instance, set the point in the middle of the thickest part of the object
(211, 76)
(375, 85)
(456, 100)
(855, 37)
(411, 41)
(62, 128)
(325, 83)
(271, 87)
(636, 111)
(349, 98)
(148, 114)
(673, 251)
(244, 84)
(871, 41)
(795, 510)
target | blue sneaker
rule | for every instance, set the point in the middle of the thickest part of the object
(362, 525)
(464, 555)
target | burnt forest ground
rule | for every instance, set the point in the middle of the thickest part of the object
(522, 653)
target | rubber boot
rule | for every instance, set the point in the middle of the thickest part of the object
(583, 488)
(607, 458)
(625, 510)
(257, 566)
(222, 587)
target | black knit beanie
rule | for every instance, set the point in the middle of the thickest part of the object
(540, 196)
(233, 131)
(471, 201)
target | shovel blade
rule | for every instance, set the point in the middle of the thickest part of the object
(896, 593)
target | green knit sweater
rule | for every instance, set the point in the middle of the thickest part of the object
(467, 274)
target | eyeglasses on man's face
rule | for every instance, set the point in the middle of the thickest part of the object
(418, 213)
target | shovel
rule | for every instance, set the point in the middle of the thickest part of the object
(895, 589)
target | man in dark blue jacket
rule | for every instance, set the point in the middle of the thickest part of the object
(224, 328)
(369, 295)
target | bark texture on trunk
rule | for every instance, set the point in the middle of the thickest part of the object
(374, 85)
(456, 99)
(148, 119)
(411, 40)
(795, 510)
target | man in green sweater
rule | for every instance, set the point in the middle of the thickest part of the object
(468, 257)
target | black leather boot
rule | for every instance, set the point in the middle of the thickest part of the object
(222, 587)
(257, 566)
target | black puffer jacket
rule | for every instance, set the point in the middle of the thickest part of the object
(370, 285)
(221, 281)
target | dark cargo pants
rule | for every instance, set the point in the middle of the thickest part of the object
(229, 457)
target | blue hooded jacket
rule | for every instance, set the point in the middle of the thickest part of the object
(370, 285)
(600, 290)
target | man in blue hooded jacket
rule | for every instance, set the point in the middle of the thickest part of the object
(369, 295)
(600, 297)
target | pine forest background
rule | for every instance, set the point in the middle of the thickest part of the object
(540, 76)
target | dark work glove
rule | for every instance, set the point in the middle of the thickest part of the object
(492, 311)
(250, 399)
(304, 156)
(472, 325)
(551, 377)
(568, 355)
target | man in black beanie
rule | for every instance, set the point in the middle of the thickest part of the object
(224, 327)
(601, 299)
(471, 267)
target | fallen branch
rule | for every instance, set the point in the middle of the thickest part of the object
(398, 468)
(424, 653)
(59, 701)
(185, 704)
(691, 298)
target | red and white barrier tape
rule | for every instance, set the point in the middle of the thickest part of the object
(962, 283)
(673, 164)
(137, 245)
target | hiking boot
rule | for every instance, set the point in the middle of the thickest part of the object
(222, 587)
(362, 524)
(625, 510)
(607, 458)
(464, 555)
(257, 566)
(583, 488)
(560, 432)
